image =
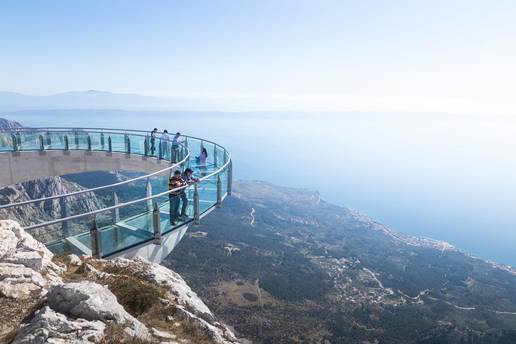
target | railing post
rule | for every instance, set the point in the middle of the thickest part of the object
(15, 142)
(148, 188)
(65, 212)
(219, 191)
(160, 153)
(96, 247)
(172, 154)
(197, 215)
(146, 146)
(102, 141)
(41, 144)
(115, 212)
(89, 142)
(156, 224)
(49, 139)
(230, 177)
(215, 154)
(187, 162)
(66, 143)
(127, 144)
(110, 144)
(18, 138)
(76, 139)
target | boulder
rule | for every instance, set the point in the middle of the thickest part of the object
(47, 326)
(27, 250)
(18, 281)
(30, 259)
(8, 242)
(91, 301)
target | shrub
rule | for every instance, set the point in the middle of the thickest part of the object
(135, 295)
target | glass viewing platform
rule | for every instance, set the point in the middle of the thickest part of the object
(131, 213)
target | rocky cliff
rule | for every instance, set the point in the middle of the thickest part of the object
(7, 124)
(70, 299)
(44, 211)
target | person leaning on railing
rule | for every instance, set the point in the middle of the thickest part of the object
(153, 135)
(174, 197)
(188, 179)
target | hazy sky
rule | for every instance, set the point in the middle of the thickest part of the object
(451, 56)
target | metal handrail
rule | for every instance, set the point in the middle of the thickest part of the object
(12, 205)
(105, 130)
(98, 211)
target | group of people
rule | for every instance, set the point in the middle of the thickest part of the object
(164, 140)
(177, 197)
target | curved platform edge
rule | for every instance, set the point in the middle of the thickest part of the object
(30, 165)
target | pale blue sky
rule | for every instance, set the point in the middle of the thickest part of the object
(393, 55)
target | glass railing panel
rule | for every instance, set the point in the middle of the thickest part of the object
(96, 139)
(224, 180)
(137, 144)
(134, 228)
(54, 140)
(117, 142)
(6, 141)
(30, 140)
(62, 237)
(207, 193)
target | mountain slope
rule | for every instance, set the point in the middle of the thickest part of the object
(48, 210)
(282, 265)
(92, 99)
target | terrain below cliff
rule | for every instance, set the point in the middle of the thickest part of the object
(281, 265)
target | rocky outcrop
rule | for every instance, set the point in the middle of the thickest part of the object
(49, 326)
(44, 299)
(92, 301)
(48, 210)
(7, 124)
(26, 270)
(189, 307)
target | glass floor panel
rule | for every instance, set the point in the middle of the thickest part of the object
(113, 238)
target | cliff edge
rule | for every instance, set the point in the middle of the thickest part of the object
(71, 299)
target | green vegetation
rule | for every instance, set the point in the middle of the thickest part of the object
(314, 258)
(135, 295)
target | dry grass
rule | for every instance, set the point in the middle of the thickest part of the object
(157, 317)
(138, 297)
(135, 295)
(114, 334)
(13, 312)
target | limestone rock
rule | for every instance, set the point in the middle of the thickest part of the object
(162, 335)
(17, 281)
(91, 301)
(8, 242)
(27, 251)
(191, 307)
(47, 326)
(160, 275)
(74, 260)
(219, 335)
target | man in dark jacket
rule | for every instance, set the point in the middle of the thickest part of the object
(188, 179)
(153, 135)
(175, 182)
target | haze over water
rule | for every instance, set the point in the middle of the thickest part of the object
(448, 177)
